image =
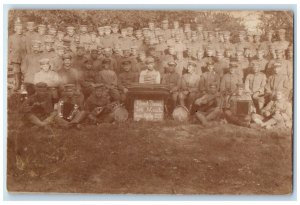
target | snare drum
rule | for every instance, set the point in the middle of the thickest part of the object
(181, 114)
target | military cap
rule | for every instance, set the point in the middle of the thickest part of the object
(80, 47)
(100, 28)
(281, 31)
(69, 87)
(107, 49)
(209, 48)
(124, 30)
(107, 27)
(172, 63)
(99, 85)
(226, 33)
(210, 33)
(240, 85)
(82, 26)
(18, 22)
(192, 63)
(149, 60)
(199, 26)
(41, 26)
(277, 64)
(126, 62)
(242, 33)
(30, 23)
(212, 85)
(269, 31)
(233, 64)
(138, 31)
(44, 61)
(144, 29)
(49, 39)
(60, 47)
(165, 21)
(41, 86)
(36, 42)
(219, 52)
(129, 28)
(194, 33)
(70, 28)
(66, 42)
(106, 61)
(94, 50)
(67, 56)
(255, 64)
(114, 25)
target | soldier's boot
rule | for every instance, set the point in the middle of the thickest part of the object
(18, 81)
(202, 119)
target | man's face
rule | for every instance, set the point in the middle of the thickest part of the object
(127, 67)
(219, 56)
(138, 35)
(124, 33)
(194, 37)
(94, 54)
(176, 24)
(83, 30)
(126, 53)
(60, 36)
(210, 38)
(240, 91)
(171, 68)
(70, 32)
(279, 95)
(260, 55)
(241, 38)
(115, 29)
(45, 67)
(67, 62)
(255, 68)
(48, 47)
(107, 31)
(228, 53)
(36, 48)
(142, 57)
(107, 53)
(239, 56)
(232, 70)
(60, 52)
(101, 92)
(200, 55)
(133, 51)
(210, 68)
(41, 30)
(100, 32)
(41, 93)
(69, 93)
(281, 37)
(93, 37)
(53, 31)
(277, 69)
(191, 68)
(150, 66)
(19, 30)
(30, 28)
(106, 66)
(151, 26)
(165, 26)
(80, 51)
(279, 54)
(256, 39)
(129, 32)
(209, 53)
(226, 38)
(250, 38)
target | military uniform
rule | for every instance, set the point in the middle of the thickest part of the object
(229, 83)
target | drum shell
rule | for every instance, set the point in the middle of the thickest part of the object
(181, 114)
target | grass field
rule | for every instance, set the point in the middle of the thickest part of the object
(145, 157)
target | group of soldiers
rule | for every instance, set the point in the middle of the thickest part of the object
(82, 73)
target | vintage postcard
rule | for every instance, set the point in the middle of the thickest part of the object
(150, 101)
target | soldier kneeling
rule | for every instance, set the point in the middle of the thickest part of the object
(239, 108)
(100, 108)
(38, 108)
(277, 112)
(70, 108)
(209, 106)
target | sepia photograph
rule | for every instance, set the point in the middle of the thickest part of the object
(177, 102)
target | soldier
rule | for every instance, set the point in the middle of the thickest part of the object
(209, 106)
(30, 35)
(208, 78)
(96, 62)
(242, 44)
(141, 62)
(255, 84)
(38, 108)
(41, 29)
(243, 64)
(70, 37)
(229, 82)
(268, 43)
(189, 86)
(277, 82)
(79, 59)
(166, 32)
(55, 59)
(95, 41)
(88, 78)
(52, 30)
(115, 32)
(126, 78)
(201, 64)
(226, 44)
(98, 106)
(85, 38)
(221, 64)
(235, 116)
(172, 80)
(260, 60)
(282, 43)
(31, 65)
(107, 55)
(46, 75)
(68, 73)
(58, 41)
(151, 75)
(277, 112)
(17, 52)
(210, 51)
(108, 77)
(70, 112)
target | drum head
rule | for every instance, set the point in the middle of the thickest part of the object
(180, 114)
(120, 114)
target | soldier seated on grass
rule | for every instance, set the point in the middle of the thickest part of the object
(209, 106)
(277, 112)
(239, 108)
(38, 108)
(99, 105)
(70, 108)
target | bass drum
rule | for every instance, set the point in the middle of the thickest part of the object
(119, 113)
(181, 114)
